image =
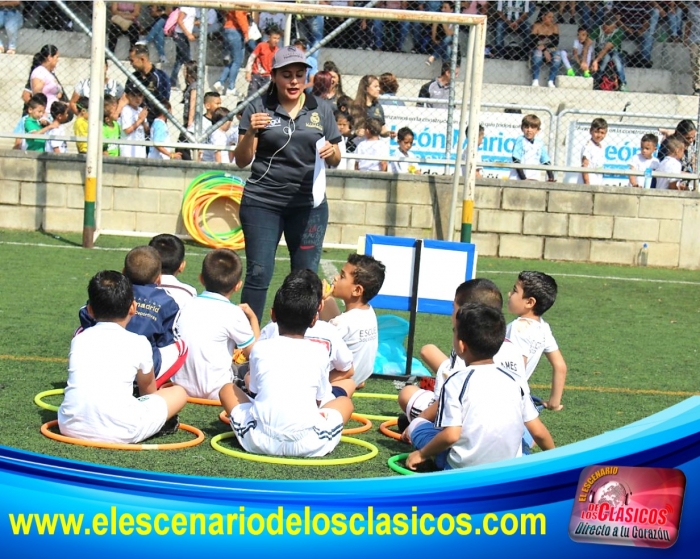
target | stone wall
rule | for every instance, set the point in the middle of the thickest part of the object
(521, 220)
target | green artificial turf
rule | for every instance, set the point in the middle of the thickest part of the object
(627, 334)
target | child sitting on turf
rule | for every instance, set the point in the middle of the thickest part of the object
(212, 326)
(104, 363)
(480, 415)
(155, 312)
(358, 282)
(533, 294)
(172, 258)
(289, 376)
(340, 369)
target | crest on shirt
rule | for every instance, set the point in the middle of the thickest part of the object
(314, 121)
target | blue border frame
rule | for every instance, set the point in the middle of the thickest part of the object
(391, 302)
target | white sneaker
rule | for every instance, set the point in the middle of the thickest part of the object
(232, 92)
(219, 87)
(535, 83)
(550, 83)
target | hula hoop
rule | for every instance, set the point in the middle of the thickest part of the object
(384, 428)
(46, 431)
(39, 398)
(366, 424)
(373, 451)
(392, 463)
(203, 401)
(197, 199)
(376, 396)
(375, 417)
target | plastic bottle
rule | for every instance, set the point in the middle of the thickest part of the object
(643, 256)
(647, 177)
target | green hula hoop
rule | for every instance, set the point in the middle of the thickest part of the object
(373, 451)
(377, 396)
(39, 398)
(392, 463)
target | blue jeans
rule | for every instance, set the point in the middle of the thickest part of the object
(617, 61)
(156, 35)
(12, 21)
(304, 230)
(422, 435)
(443, 49)
(311, 27)
(591, 19)
(400, 34)
(538, 60)
(182, 55)
(234, 43)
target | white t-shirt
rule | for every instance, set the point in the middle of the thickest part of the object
(406, 164)
(358, 328)
(103, 363)
(668, 165)
(181, 292)
(52, 143)
(324, 333)
(216, 138)
(127, 118)
(639, 163)
(289, 376)
(113, 87)
(212, 327)
(488, 405)
(159, 133)
(596, 159)
(532, 337)
(188, 22)
(376, 148)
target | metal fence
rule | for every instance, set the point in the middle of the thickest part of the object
(657, 67)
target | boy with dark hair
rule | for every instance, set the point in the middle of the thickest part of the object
(258, 70)
(155, 313)
(218, 138)
(644, 160)
(533, 294)
(481, 411)
(172, 258)
(36, 108)
(289, 375)
(80, 127)
(213, 327)
(593, 152)
(104, 363)
(359, 281)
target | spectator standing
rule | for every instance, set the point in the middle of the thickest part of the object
(235, 36)
(42, 78)
(336, 80)
(686, 132)
(389, 85)
(259, 67)
(82, 89)
(691, 38)
(512, 15)
(156, 32)
(183, 36)
(11, 19)
(396, 31)
(156, 81)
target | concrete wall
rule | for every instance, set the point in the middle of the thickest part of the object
(521, 220)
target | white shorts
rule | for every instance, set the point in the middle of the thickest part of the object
(420, 400)
(141, 419)
(321, 440)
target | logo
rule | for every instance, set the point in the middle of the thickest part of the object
(314, 121)
(620, 505)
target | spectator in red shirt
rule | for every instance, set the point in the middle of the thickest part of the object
(259, 67)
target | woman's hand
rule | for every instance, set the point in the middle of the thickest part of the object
(327, 150)
(258, 121)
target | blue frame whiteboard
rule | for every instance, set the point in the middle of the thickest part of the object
(443, 266)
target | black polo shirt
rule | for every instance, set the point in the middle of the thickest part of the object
(282, 173)
(375, 110)
(157, 82)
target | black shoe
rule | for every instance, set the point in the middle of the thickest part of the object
(170, 427)
(403, 422)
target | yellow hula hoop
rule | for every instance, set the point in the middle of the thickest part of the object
(375, 417)
(39, 398)
(376, 396)
(46, 431)
(366, 423)
(373, 451)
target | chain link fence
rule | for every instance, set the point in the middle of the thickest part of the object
(642, 57)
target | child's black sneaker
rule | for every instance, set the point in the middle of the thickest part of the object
(170, 427)
(402, 423)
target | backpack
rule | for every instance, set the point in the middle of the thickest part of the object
(610, 80)
(171, 22)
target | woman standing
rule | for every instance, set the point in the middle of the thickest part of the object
(546, 34)
(235, 36)
(367, 104)
(42, 78)
(284, 134)
(336, 80)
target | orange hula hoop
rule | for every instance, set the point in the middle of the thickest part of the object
(366, 423)
(46, 431)
(384, 428)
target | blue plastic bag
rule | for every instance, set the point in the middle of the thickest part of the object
(391, 354)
